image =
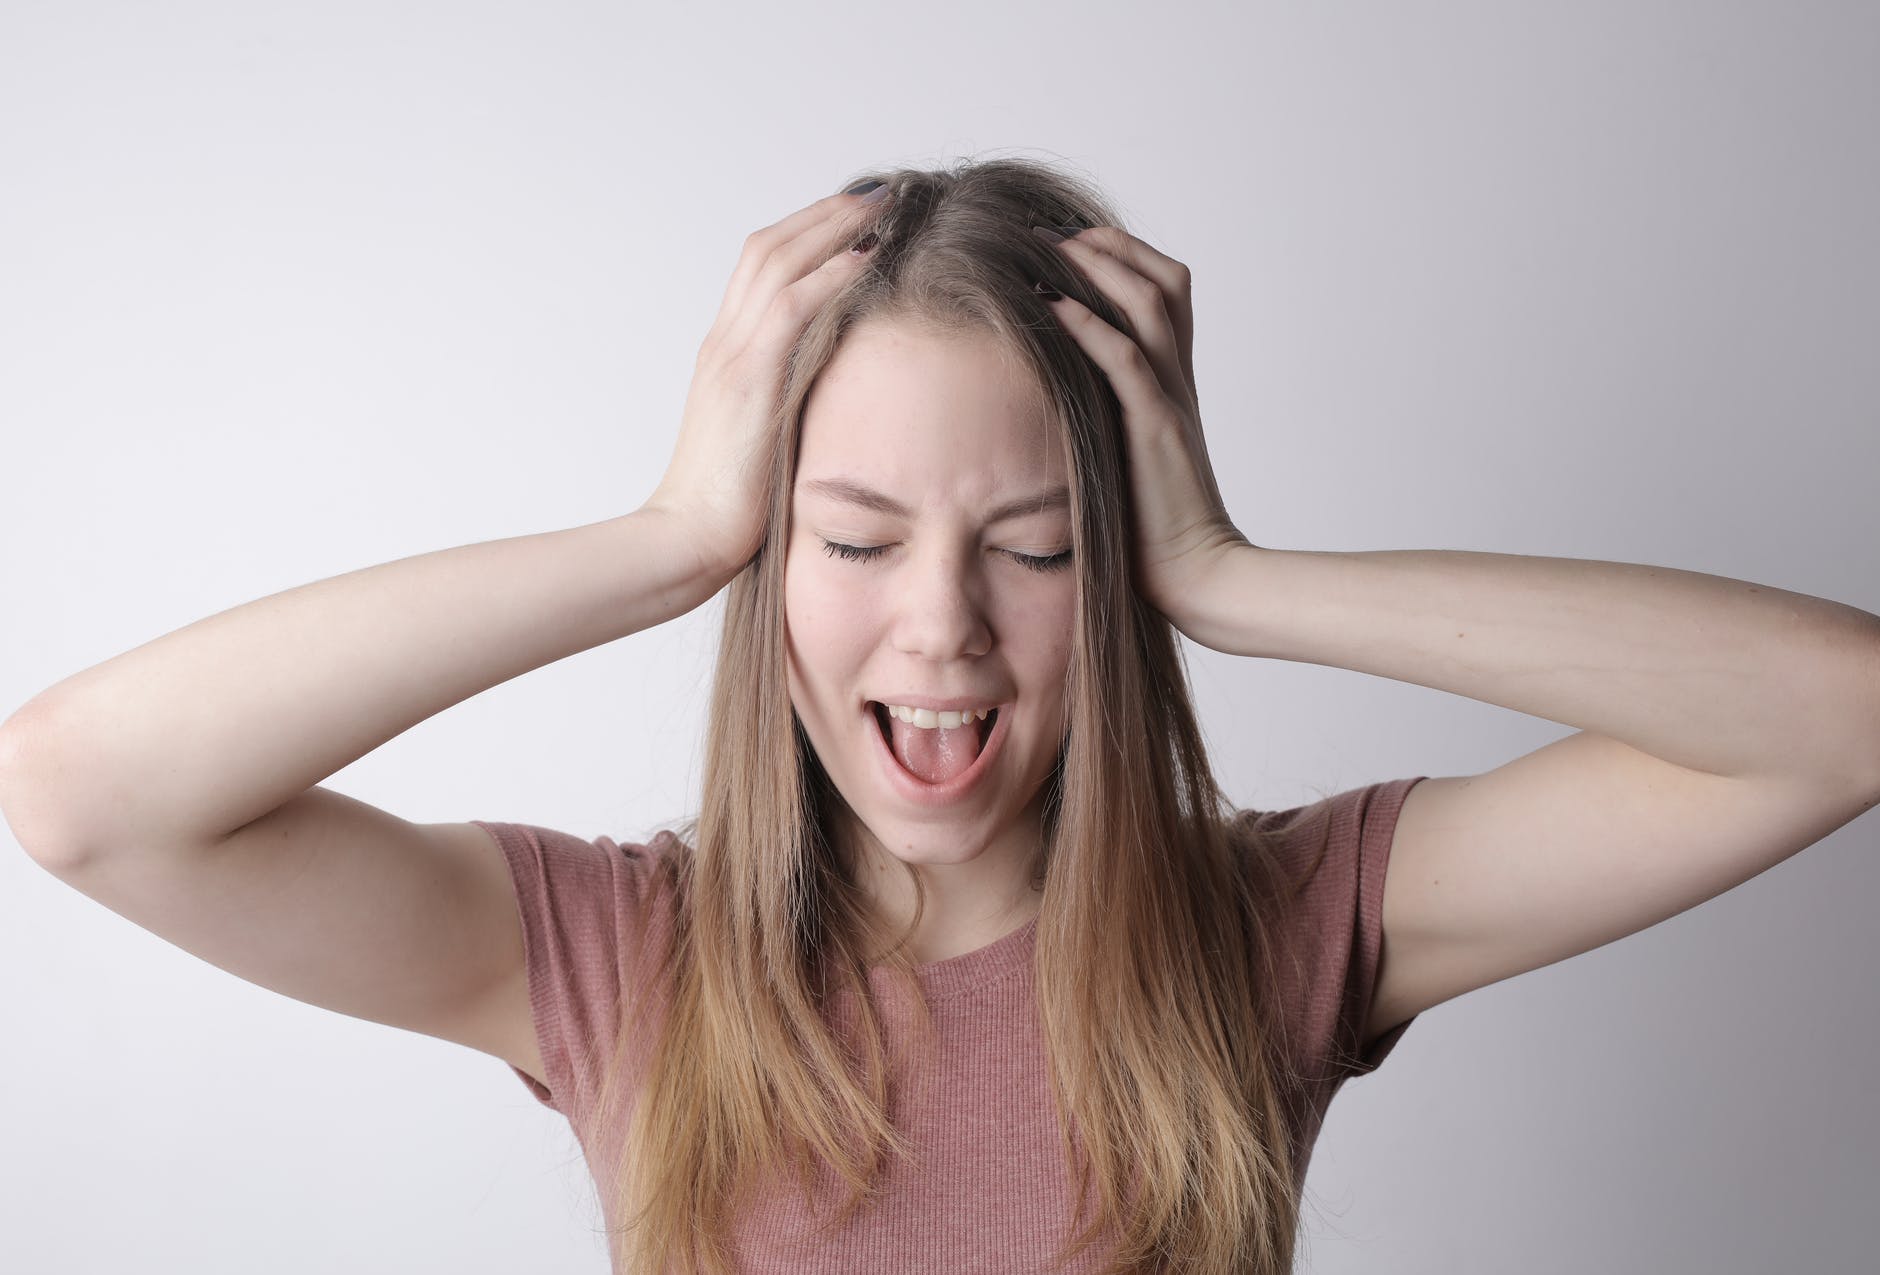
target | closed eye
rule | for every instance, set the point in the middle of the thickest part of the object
(867, 553)
(1053, 562)
(852, 552)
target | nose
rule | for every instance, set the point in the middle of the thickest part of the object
(940, 611)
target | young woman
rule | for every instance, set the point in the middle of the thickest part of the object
(965, 963)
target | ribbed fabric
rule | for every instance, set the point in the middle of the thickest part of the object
(988, 1191)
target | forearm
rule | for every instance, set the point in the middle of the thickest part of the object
(204, 729)
(1707, 672)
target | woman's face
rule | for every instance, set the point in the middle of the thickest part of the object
(948, 609)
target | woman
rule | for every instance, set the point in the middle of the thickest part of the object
(919, 993)
(934, 513)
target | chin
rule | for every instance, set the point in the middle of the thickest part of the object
(928, 846)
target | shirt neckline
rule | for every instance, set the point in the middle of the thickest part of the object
(962, 973)
(976, 968)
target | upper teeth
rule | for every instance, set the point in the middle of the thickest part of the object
(928, 718)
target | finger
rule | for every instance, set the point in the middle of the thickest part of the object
(1148, 414)
(1130, 267)
(818, 245)
(779, 254)
(1171, 276)
(782, 321)
(1131, 375)
(759, 244)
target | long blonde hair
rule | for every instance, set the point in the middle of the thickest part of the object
(1155, 982)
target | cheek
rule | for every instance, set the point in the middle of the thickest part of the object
(1053, 621)
(826, 626)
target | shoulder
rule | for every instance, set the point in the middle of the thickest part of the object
(1328, 861)
(574, 879)
(1341, 829)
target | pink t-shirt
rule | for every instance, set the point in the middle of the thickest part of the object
(987, 1190)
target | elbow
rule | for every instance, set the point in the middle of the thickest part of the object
(29, 801)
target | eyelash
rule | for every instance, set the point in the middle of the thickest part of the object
(859, 553)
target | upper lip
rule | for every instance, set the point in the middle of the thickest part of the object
(953, 704)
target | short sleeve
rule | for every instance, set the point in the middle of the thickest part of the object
(583, 905)
(1333, 929)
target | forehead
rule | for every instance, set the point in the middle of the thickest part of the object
(913, 406)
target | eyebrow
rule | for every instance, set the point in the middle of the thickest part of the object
(850, 492)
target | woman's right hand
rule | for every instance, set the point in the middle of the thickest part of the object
(716, 484)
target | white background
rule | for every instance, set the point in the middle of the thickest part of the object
(295, 289)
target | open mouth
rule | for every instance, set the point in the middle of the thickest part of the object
(936, 767)
(983, 726)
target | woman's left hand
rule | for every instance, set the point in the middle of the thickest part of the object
(1181, 527)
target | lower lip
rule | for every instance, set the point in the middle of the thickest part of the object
(920, 793)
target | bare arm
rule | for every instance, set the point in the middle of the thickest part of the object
(191, 737)
(187, 738)
(178, 784)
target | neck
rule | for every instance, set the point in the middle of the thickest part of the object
(968, 904)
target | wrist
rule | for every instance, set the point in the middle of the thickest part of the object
(708, 565)
(1217, 609)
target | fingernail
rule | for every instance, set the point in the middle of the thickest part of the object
(1048, 292)
(1047, 234)
(876, 194)
(860, 187)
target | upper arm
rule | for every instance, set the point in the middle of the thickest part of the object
(1576, 844)
(342, 905)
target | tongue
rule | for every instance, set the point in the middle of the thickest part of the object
(934, 755)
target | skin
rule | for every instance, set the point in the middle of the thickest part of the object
(947, 428)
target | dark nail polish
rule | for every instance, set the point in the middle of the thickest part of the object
(1046, 233)
(861, 188)
(1048, 292)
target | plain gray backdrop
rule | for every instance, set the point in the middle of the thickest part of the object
(296, 289)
